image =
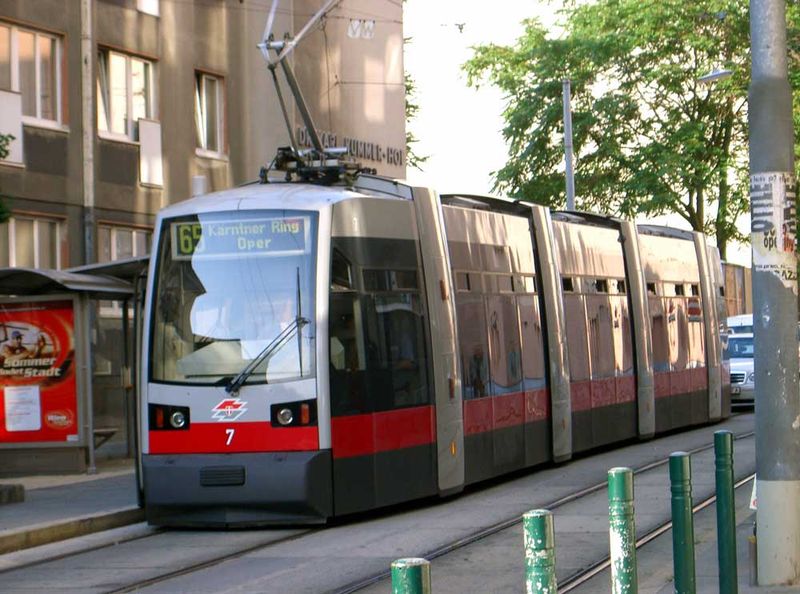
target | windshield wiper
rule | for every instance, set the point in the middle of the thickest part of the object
(275, 344)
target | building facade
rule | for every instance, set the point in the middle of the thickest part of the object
(121, 107)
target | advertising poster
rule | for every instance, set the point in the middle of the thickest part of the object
(37, 372)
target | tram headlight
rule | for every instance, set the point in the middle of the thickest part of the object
(285, 416)
(294, 414)
(177, 420)
(166, 417)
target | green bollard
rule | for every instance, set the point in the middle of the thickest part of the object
(726, 513)
(540, 552)
(622, 531)
(411, 576)
(680, 475)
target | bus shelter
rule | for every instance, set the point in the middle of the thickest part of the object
(46, 325)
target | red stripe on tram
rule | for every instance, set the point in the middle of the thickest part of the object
(505, 410)
(223, 438)
(361, 435)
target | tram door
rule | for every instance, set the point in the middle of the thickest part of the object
(383, 431)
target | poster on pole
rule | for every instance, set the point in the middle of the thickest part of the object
(774, 226)
(37, 372)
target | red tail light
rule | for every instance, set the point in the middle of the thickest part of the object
(305, 414)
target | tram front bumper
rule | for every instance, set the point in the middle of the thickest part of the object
(252, 489)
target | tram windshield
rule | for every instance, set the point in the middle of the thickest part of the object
(228, 284)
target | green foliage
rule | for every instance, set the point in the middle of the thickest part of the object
(412, 108)
(793, 42)
(648, 138)
(5, 140)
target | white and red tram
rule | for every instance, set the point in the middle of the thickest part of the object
(311, 351)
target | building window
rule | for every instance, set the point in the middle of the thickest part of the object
(125, 94)
(117, 243)
(30, 64)
(209, 105)
(29, 242)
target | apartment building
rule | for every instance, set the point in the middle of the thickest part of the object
(121, 107)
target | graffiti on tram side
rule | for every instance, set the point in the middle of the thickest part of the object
(37, 375)
(360, 149)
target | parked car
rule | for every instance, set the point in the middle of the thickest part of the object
(739, 350)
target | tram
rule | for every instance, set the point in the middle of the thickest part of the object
(314, 350)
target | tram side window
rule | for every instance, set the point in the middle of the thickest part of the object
(659, 324)
(394, 336)
(575, 316)
(473, 347)
(678, 333)
(504, 348)
(623, 341)
(378, 348)
(346, 346)
(697, 350)
(341, 271)
(532, 342)
(601, 336)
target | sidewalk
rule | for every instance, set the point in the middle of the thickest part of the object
(60, 507)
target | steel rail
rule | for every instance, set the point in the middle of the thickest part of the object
(583, 576)
(366, 582)
(505, 524)
(191, 568)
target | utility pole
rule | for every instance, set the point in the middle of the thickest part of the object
(773, 233)
(88, 119)
(568, 145)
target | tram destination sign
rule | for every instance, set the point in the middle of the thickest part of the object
(252, 237)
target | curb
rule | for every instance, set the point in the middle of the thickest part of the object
(40, 534)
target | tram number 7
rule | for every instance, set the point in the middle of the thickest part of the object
(229, 433)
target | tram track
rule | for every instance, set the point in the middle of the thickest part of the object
(191, 568)
(579, 578)
(552, 506)
(361, 584)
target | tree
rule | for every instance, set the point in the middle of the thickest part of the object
(5, 140)
(412, 108)
(648, 137)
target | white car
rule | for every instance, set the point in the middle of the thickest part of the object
(739, 350)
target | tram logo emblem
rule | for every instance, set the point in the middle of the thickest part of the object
(229, 409)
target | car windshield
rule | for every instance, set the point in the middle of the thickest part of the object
(740, 347)
(228, 284)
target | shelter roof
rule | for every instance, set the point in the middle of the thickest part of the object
(40, 281)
